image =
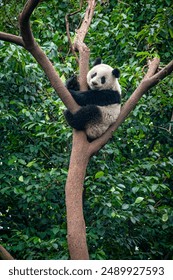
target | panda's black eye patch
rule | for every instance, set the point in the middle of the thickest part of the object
(93, 75)
(103, 80)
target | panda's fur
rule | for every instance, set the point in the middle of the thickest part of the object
(100, 104)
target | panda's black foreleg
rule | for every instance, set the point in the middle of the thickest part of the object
(72, 83)
(89, 114)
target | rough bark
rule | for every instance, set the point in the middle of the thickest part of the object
(76, 228)
(11, 38)
(4, 255)
(79, 44)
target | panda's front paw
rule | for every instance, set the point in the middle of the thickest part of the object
(72, 83)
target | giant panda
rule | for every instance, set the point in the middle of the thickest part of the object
(100, 104)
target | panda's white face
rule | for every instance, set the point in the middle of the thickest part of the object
(101, 77)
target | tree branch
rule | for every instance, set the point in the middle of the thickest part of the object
(25, 28)
(167, 70)
(11, 38)
(68, 30)
(79, 45)
(4, 255)
(82, 31)
(69, 39)
(29, 43)
(152, 67)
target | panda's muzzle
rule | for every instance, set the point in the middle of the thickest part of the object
(94, 83)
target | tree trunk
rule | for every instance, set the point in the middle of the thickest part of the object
(74, 188)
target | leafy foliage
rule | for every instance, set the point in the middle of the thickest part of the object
(128, 201)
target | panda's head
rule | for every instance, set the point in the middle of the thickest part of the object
(103, 76)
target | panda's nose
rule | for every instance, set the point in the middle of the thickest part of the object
(94, 83)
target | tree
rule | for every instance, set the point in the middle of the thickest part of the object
(78, 164)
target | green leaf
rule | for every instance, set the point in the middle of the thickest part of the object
(12, 160)
(133, 220)
(21, 179)
(125, 206)
(55, 230)
(171, 32)
(113, 214)
(135, 189)
(31, 163)
(139, 200)
(165, 217)
(99, 174)
(121, 186)
(21, 161)
(55, 246)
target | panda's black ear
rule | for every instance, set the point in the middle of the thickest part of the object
(116, 73)
(97, 61)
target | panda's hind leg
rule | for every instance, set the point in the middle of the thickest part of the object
(85, 116)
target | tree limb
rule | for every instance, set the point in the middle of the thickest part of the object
(167, 70)
(25, 28)
(79, 45)
(152, 67)
(69, 38)
(68, 30)
(82, 31)
(4, 255)
(11, 38)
